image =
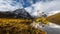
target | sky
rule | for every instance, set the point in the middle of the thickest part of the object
(50, 7)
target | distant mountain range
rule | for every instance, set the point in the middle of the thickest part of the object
(18, 13)
(54, 18)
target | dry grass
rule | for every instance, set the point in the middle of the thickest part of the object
(54, 18)
(16, 26)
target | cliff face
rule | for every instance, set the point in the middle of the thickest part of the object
(54, 18)
(18, 13)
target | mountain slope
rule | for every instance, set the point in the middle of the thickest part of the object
(18, 13)
(54, 18)
(22, 13)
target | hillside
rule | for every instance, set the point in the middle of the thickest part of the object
(18, 13)
(54, 18)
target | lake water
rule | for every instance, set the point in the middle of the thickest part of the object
(50, 29)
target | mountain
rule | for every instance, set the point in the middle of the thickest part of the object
(54, 18)
(22, 13)
(18, 13)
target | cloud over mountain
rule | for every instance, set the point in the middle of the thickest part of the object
(48, 6)
(31, 6)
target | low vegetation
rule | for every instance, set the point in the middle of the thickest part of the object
(54, 18)
(16, 26)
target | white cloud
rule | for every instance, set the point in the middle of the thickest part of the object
(47, 7)
(28, 9)
(5, 5)
(53, 13)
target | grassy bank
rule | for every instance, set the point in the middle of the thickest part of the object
(54, 18)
